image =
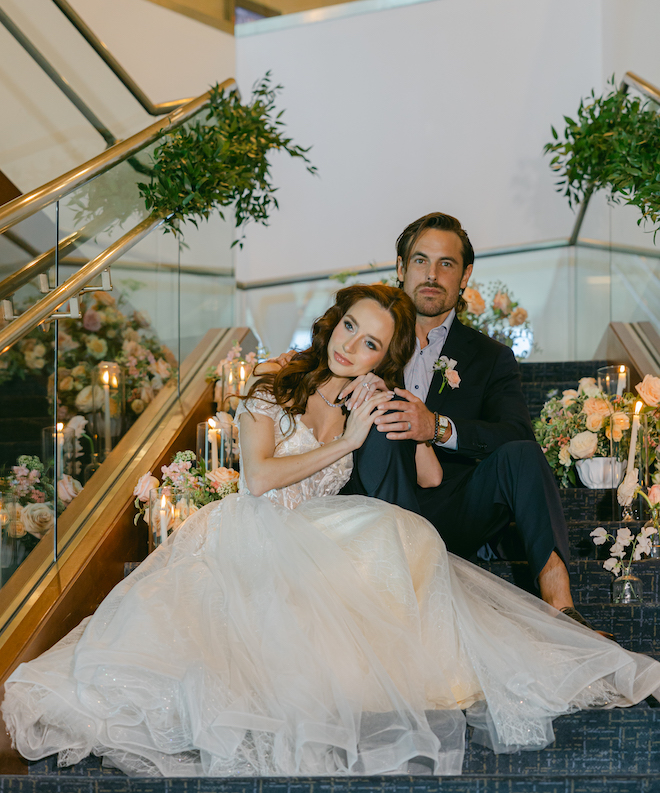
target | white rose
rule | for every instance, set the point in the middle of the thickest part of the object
(587, 385)
(146, 483)
(77, 424)
(568, 397)
(583, 445)
(37, 519)
(68, 488)
(627, 488)
(88, 397)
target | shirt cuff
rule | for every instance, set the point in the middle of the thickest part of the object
(452, 443)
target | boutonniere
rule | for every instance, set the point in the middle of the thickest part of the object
(449, 374)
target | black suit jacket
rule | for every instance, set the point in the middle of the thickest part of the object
(488, 407)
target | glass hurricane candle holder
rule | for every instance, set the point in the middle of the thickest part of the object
(614, 380)
(235, 375)
(107, 406)
(215, 444)
(58, 449)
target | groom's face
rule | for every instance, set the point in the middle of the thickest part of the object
(434, 274)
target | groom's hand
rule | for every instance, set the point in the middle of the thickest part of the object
(410, 419)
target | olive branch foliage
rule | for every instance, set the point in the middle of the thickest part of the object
(613, 143)
(221, 161)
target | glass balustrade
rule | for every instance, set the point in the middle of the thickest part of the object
(72, 388)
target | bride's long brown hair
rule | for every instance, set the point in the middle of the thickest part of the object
(292, 386)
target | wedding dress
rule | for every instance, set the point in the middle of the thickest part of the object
(304, 633)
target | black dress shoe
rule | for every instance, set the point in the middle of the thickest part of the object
(574, 614)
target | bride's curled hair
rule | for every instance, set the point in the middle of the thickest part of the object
(292, 386)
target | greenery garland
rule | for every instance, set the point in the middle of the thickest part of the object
(221, 162)
(614, 144)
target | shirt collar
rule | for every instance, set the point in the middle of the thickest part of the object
(442, 330)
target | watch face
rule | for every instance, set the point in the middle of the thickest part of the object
(443, 422)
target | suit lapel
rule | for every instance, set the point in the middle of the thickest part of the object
(459, 347)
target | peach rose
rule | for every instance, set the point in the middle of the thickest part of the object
(37, 519)
(502, 302)
(654, 494)
(66, 383)
(596, 407)
(518, 317)
(104, 298)
(619, 422)
(583, 445)
(568, 397)
(475, 302)
(87, 398)
(68, 488)
(145, 484)
(649, 390)
(220, 477)
(161, 368)
(594, 422)
(79, 371)
(453, 379)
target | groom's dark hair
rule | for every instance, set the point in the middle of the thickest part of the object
(407, 240)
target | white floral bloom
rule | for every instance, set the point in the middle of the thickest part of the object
(568, 397)
(583, 445)
(587, 385)
(648, 531)
(612, 565)
(624, 536)
(599, 535)
(565, 456)
(77, 424)
(643, 547)
(618, 550)
(627, 488)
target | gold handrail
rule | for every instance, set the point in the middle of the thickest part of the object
(26, 205)
(43, 310)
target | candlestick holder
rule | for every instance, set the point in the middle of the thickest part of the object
(168, 508)
(58, 449)
(108, 405)
(215, 444)
(614, 380)
(235, 374)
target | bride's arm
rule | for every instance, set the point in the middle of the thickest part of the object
(265, 472)
(429, 470)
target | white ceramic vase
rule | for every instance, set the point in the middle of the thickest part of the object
(600, 472)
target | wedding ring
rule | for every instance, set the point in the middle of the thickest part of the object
(366, 385)
(409, 426)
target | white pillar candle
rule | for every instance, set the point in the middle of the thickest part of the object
(632, 452)
(106, 411)
(59, 443)
(621, 382)
(213, 440)
(242, 378)
(163, 519)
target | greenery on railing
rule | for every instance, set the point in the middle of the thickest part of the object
(221, 162)
(614, 144)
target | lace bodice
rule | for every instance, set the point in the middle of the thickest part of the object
(327, 482)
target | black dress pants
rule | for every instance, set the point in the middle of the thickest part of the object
(514, 483)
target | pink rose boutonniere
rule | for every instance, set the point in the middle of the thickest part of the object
(447, 366)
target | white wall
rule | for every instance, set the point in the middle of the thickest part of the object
(41, 134)
(444, 105)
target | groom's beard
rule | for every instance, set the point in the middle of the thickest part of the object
(432, 305)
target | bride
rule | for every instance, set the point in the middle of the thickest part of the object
(289, 631)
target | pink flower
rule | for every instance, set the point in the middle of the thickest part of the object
(453, 379)
(220, 477)
(91, 320)
(145, 484)
(20, 470)
(38, 497)
(517, 317)
(475, 302)
(68, 488)
(502, 302)
(654, 494)
(649, 390)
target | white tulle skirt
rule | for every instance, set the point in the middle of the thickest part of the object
(337, 638)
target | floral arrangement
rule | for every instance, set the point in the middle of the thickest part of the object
(584, 423)
(497, 315)
(186, 475)
(449, 374)
(110, 330)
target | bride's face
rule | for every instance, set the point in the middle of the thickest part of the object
(360, 340)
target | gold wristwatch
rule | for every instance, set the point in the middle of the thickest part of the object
(441, 424)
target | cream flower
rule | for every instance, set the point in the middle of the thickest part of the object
(618, 423)
(649, 390)
(146, 483)
(68, 488)
(587, 385)
(96, 346)
(594, 423)
(568, 397)
(37, 519)
(161, 368)
(77, 424)
(583, 445)
(220, 477)
(612, 565)
(66, 383)
(599, 535)
(137, 406)
(502, 302)
(88, 398)
(565, 456)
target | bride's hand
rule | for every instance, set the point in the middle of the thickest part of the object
(361, 418)
(362, 388)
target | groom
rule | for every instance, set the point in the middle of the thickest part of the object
(475, 418)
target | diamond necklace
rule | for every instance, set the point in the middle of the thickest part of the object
(331, 404)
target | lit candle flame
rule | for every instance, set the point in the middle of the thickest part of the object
(163, 502)
(212, 423)
(242, 373)
(638, 406)
(59, 426)
(114, 381)
(622, 369)
(106, 377)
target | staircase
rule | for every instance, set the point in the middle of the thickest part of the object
(594, 751)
